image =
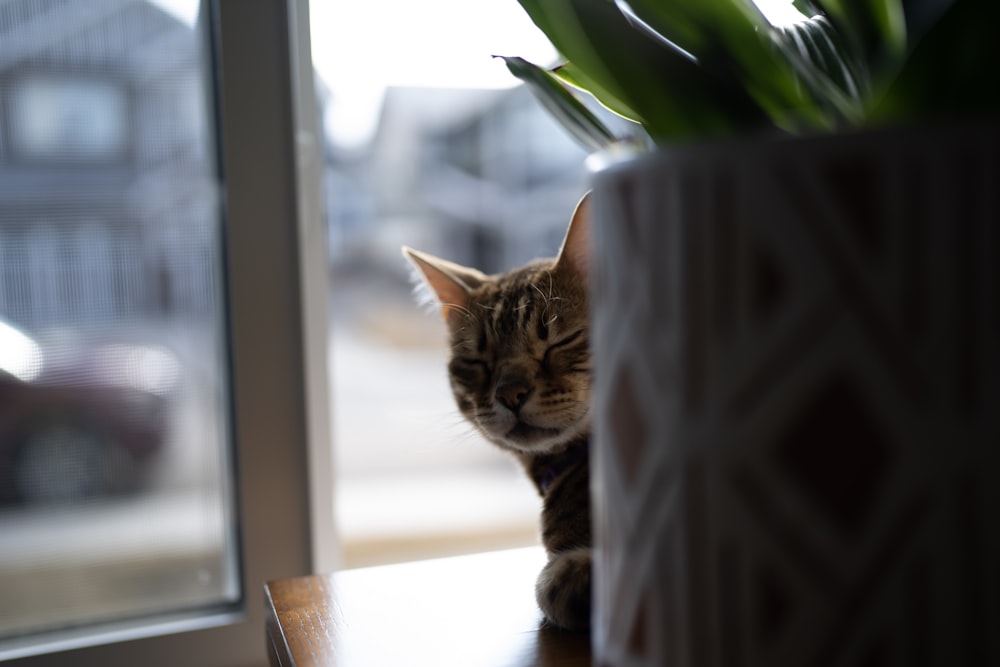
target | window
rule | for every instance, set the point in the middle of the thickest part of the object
(65, 118)
(430, 144)
(147, 365)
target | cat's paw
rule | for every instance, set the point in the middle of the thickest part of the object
(563, 589)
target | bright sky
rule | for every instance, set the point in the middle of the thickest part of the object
(185, 10)
(361, 47)
(434, 43)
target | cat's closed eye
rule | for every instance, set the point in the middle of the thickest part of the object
(561, 345)
(565, 341)
(469, 371)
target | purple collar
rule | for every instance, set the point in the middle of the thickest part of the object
(554, 467)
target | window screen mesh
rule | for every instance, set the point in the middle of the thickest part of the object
(115, 464)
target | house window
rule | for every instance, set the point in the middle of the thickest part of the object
(68, 118)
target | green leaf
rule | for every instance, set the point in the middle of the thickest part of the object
(733, 41)
(952, 73)
(578, 120)
(627, 69)
(571, 75)
(806, 7)
(825, 69)
(877, 27)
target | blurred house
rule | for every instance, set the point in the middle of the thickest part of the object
(484, 177)
(104, 207)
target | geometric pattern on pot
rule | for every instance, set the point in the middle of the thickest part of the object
(797, 403)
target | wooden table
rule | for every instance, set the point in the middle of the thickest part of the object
(469, 611)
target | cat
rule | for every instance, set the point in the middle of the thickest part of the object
(520, 373)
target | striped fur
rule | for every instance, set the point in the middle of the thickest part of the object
(520, 373)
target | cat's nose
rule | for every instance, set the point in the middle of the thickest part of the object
(513, 394)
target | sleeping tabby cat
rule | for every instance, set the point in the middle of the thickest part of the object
(520, 372)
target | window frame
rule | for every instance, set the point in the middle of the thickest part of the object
(270, 148)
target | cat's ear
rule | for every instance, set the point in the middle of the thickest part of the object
(574, 256)
(451, 283)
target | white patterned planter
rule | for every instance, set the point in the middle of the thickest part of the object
(797, 417)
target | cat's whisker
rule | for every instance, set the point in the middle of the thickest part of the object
(460, 308)
(545, 297)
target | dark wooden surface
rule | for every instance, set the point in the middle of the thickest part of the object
(469, 611)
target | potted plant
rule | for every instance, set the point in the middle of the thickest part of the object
(795, 327)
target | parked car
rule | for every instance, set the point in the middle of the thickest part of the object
(80, 420)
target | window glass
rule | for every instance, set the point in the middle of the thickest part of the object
(116, 487)
(431, 144)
